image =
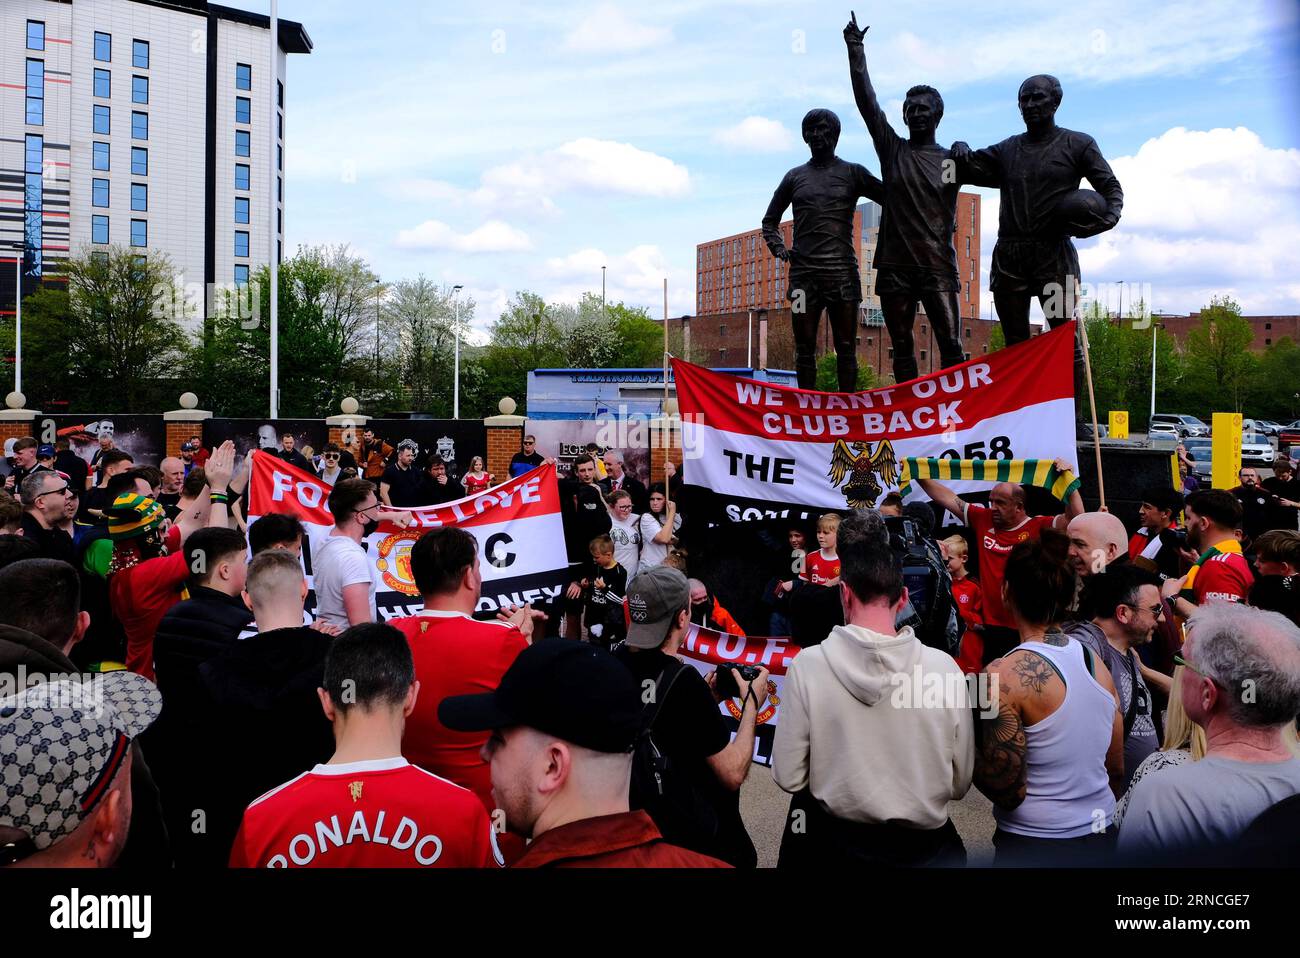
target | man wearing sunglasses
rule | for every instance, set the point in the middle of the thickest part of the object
(45, 496)
(331, 464)
(526, 459)
(1126, 604)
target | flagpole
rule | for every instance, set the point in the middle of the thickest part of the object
(665, 339)
(1092, 402)
(272, 99)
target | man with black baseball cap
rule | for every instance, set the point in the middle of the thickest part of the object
(65, 769)
(564, 721)
(686, 725)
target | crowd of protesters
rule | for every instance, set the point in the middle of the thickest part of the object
(1118, 698)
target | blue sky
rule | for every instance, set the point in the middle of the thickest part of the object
(510, 146)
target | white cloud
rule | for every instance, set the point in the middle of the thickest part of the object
(493, 236)
(635, 277)
(757, 134)
(1206, 212)
(590, 164)
(607, 29)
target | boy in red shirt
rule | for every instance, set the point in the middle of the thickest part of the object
(367, 807)
(823, 566)
(970, 605)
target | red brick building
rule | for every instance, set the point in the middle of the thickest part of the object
(737, 273)
(763, 338)
(1268, 329)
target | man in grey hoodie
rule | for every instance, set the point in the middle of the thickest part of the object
(891, 723)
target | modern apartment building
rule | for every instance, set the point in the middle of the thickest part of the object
(144, 124)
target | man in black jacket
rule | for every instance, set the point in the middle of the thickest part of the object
(265, 724)
(617, 477)
(583, 511)
(437, 487)
(193, 632)
(40, 622)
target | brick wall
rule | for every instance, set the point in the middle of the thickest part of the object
(502, 443)
(16, 429)
(665, 445)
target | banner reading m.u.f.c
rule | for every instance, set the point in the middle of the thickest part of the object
(705, 649)
(517, 524)
(775, 445)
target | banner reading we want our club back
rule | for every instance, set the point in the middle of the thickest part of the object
(765, 447)
(517, 524)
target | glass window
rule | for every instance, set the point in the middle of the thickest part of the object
(99, 229)
(241, 176)
(241, 143)
(139, 89)
(139, 233)
(243, 76)
(99, 192)
(35, 153)
(140, 54)
(279, 93)
(279, 157)
(241, 274)
(36, 92)
(139, 161)
(103, 47)
(139, 125)
(102, 122)
(241, 242)
(279, 125)
(103, 84)
(241, 209)
(140, 197)
(100, 156)
(243, 110)
(35, 35)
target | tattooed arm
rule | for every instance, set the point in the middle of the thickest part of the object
(1000, 769)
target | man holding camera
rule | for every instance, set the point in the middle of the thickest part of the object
(681, 710)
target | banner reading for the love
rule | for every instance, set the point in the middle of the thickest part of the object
(763, 446)
(517, 524)
(706, 649)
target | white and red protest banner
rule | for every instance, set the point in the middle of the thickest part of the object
(706, 649)
(761, 445)
(517, 524)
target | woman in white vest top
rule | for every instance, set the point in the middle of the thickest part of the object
(1052, 758)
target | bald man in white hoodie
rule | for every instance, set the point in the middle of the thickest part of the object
(891, 721)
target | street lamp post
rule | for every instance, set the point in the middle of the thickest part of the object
(18, 317)
(376, 332)
(455, 322)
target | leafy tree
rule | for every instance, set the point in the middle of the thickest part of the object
(327, 335)
(828, 378)
(420, 322)
(112, 340)
(1220, 364)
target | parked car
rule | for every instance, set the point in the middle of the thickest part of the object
(1184, 426)
(1163, 430)
(1289, 436)
(1267, 427)
(1198, 450)
(1256, 450)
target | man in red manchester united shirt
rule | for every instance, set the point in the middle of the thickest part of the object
(999, 527)
(455, 654)
(367, 807)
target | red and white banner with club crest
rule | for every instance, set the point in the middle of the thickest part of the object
(761, 446)
(705, 649)
(517, 524)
